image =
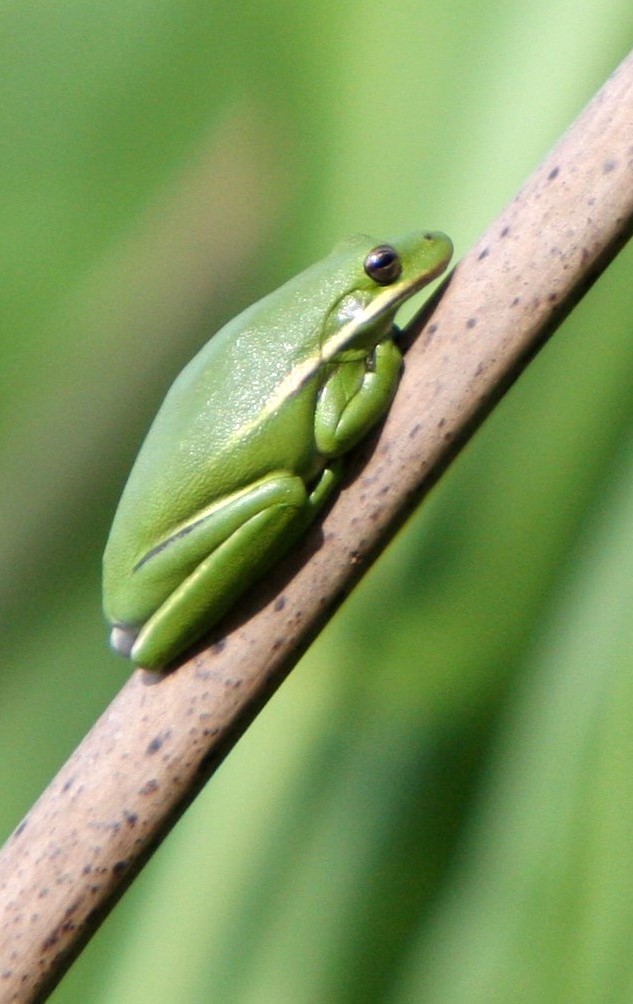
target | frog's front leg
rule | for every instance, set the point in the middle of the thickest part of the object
(202, 568)
(355, 396)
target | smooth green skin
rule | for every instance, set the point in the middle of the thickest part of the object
(243, 452)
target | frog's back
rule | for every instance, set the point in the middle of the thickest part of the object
(216, 431)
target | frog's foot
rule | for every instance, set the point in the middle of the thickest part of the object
(122, 639)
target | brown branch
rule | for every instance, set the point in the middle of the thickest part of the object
(161, 738)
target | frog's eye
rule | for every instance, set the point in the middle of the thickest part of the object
(383, 264)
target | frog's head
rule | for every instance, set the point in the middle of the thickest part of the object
(375, 279)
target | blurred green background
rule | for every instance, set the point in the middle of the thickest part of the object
(438, 804)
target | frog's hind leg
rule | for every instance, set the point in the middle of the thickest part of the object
(224, 573)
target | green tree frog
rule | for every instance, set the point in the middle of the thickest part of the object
(245, 449)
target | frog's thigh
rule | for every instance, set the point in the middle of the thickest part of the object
(270, 515)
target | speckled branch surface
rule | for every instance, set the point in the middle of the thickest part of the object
(160, 739)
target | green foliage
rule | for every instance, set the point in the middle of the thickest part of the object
(438, 804)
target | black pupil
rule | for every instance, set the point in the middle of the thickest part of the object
(383, 264)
